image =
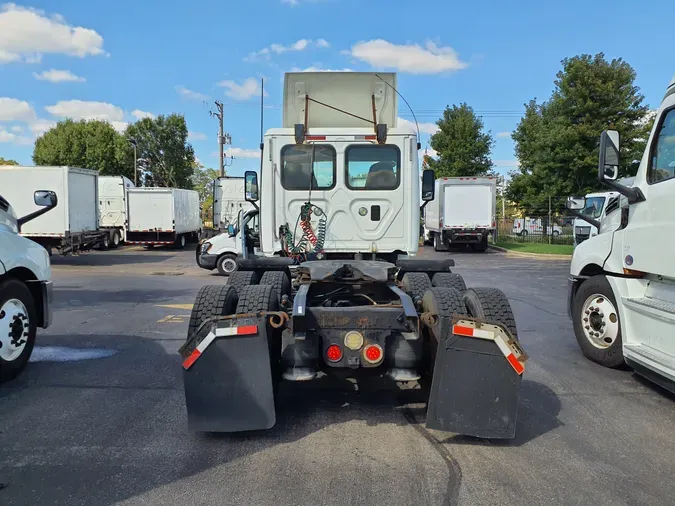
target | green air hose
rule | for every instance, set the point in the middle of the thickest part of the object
(310, 241)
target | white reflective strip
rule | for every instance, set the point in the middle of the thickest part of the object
(503, 346)
(485, 334)
(226, 331)
(205, 342)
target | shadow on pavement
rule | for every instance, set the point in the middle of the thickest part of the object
(106, 258)
(93, 298)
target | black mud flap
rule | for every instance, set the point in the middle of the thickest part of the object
(228, 378)
(475, 388)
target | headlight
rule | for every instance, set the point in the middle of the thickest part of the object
(205, 247)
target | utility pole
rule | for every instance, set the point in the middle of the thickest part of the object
(223, 138)
(135, 145)
(549, 220)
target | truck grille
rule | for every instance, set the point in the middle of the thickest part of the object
(582, 231)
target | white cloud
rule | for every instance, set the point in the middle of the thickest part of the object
(242, 153)
(506, 164)
(81, 109)
(290, 2)
(196, 136)
(191, 95)
(138, 114)
(58, 76)
(17, 129)
(300, 45)
(40, 126)
(411, 58)
(426, 128)
(244, 91)
(28, 33)
(319, 69)
(12, 138)
(504, 135)
(12, 109)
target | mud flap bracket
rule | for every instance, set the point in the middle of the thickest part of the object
(228, 378)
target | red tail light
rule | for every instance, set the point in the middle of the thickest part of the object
(372, 353)
(334, 353)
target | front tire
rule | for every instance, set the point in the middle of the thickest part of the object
(227, 264)
(18, 327)
(595, 307)
(104, 245)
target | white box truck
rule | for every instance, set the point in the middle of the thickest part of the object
(463, 212)
(72, 227)
(162, 216)
(112, 206)
(621, 296)
(228, 200)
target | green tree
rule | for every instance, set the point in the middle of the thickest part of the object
(7, 161)
(557, 141)
(89, 144)
(162, 143)
(202, 181)
(462, 146)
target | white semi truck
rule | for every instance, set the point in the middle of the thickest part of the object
(463, 212)
(228, 200)
(622, 281)
(74, 226)
(335, 288)
(162, 216)
(25, 285)
(112, 202)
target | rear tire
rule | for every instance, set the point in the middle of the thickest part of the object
(240, 279)
(481, 246)
(279, 282)
(18, 326)
(439, 245)
(449, 280)
(415, 284)
(490, 305)
(227, 264)
(211, 300)
(116, 239)
(181, 241)
(104, 245)
(444, 302)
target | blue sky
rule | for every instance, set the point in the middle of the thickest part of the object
(120, 60)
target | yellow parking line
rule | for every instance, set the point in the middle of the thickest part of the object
(175, 306)
(173, 318)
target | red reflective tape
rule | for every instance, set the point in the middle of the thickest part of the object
(187, 363)
(462, 331)
(316, 137)
(515, 363)
(247, 330)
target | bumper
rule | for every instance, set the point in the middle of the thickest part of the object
(47, 291)
(204, 260)
(571, 291)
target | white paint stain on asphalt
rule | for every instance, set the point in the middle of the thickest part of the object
(64, 354)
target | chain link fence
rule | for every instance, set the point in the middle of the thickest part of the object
(548, 224)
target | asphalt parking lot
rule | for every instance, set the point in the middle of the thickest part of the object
(98, 417)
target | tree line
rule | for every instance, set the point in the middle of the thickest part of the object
(556, 141)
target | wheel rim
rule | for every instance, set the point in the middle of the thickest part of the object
(600, 321)
(14, 328)
(228, 265)
(182, 240)
(116, 239)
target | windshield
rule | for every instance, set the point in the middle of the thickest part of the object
(593, 207)
(372, 167)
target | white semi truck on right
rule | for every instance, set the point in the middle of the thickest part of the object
(622, 281)
(462, 213)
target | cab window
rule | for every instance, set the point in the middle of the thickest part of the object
(593, 207)
(297, 169)
(662, 163)
(373, 167)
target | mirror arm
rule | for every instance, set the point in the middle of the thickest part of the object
(587, 219)
(33, 215)
(424, 205)
(634, 194)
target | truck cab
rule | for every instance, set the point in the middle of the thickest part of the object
(221, 251)
(25, 286)
(622, 282)
(330, 183)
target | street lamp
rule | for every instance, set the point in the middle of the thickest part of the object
(133, 142)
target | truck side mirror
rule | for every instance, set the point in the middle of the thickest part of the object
(575, 203)
(230, 230)
(251, 186)
(608, 167)
(45, 198)
(428, 185)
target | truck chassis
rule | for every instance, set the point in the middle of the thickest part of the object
(411, 321)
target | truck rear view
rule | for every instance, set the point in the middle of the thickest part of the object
(162, 216)
(462, 213)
